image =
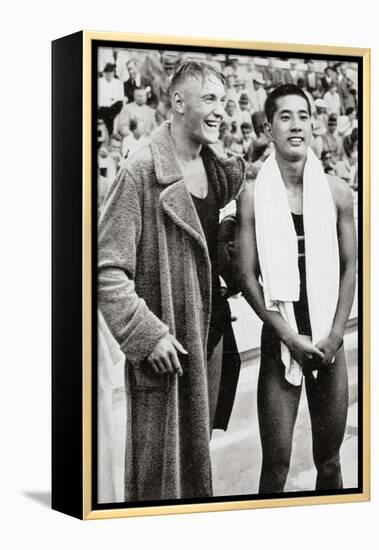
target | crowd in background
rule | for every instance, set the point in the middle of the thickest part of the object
(133, 100)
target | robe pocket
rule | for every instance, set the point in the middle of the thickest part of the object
(144, 378)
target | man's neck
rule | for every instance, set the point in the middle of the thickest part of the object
(291, 172)
(186, 150)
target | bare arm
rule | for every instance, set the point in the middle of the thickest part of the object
(347, 250)
(247, 267)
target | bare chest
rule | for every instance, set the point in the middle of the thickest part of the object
(295, 200)
(195, 178)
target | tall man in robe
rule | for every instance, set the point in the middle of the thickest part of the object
(160, 294)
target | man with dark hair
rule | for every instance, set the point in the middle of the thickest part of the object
(160, 294)
(295, 250)
(282, 91)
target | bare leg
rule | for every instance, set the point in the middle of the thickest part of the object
(328, 404)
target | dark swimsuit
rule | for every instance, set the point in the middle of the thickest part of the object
(301, 307)
(208, 213)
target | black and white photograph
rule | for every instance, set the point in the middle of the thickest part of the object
(228, 324)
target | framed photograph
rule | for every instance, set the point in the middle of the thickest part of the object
(211, 239)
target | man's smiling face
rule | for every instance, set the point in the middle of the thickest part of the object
(291, 127)
(203, 107)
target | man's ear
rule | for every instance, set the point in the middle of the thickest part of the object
(178, 102)
(268, 130)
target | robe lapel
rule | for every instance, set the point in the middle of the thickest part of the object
(177, 203)
(175, 199)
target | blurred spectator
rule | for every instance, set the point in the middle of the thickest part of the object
(106, 57)
(351, 114)
(351, 99)
(260, 143)
(331, 64)
(109, 162)
(337, 70)
(232, 118)
(135, 139)
(272, 75)
(235, 147)
(312, 80)
(256, 157)
(224, 139)
(102, 132)
(228, 142)
(247, 140)
(114, 157)
(347, 123)
(329, 78)
(114, 152)
(327, 163)
(111, 96)
(239, 86)
(344, 126)
(318, 130)
(347, 169)
(162, 80)
(354, 136)
(260, 154)
(353, 96)
(247, 72)
(230, 90)
(292, 76)
(107, 172)
(302, 86)
(215, 64)
(122, 57)
(259, 120)
(344, 88)
(136, 81)
(102, 184)
(139, 111)
(233, 68)
(162, 113)
(244, 105)
(332, 142)
(332, 100)
(321, 113)
(257, 94)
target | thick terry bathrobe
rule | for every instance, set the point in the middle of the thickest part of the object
(155, 278)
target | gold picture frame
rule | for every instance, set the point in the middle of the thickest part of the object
(74, 80)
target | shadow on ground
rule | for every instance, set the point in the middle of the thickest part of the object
(42, 497)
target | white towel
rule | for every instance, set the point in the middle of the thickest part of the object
(278, 250)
